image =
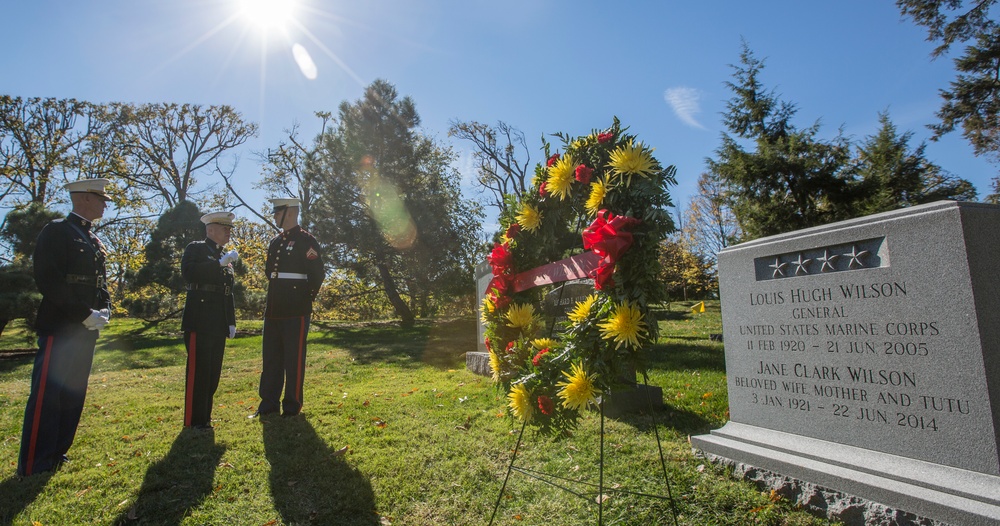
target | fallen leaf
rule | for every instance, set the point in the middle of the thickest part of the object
(602, 498)
(340, 451)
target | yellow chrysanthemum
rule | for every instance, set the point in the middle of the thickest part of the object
(582, 309)
(598, 189)
(520, 402)
(529, 218)
(632, 160)
(542, 343)
(578, 390)
(495, 366)
(579, 143)
(520, 315)
(624, 325)
(488, 308)
(561, 177)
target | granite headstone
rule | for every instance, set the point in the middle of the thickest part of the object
(864, 357)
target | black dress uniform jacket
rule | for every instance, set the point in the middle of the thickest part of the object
(69, 267)
(209, 306)
(294, 251)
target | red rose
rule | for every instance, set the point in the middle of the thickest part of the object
(608, 237)
(604, 137)
(583, 174)
(541, 189)
(513, 230)
(500, 259)
(497, 291)
(537, 360)
(546, 405)
(552, 160)
(510, 348)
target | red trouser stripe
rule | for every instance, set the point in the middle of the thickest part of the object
(36, 421)
(189, 391)
(301, 363)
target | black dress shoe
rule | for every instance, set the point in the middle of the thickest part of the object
(259, 414)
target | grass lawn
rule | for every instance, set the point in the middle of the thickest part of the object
(428, 443)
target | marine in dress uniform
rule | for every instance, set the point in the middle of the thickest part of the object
(295, 273)
(69, 268)
(209, 315)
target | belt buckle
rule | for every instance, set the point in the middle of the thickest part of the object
(274, 275)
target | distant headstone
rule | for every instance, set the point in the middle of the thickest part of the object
(863, 357)
(478, 361)
(563, 298)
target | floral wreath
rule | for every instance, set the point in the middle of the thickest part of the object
(611, 183)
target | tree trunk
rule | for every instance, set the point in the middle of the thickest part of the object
(402, 309)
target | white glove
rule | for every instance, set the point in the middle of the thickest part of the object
(106, 314)
(232, 331)
(228, 257)
(95, 322)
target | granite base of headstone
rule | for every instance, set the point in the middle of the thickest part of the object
(863, 360)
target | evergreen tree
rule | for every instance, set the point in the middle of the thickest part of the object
(19, 297)
(386, 204)
(791, 179)
(176, 228)
(972, 102)
(892, 176)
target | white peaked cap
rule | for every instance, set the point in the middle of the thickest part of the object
(218, 218)
(89, 186)
(283, 202)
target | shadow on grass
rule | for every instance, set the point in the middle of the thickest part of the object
(685, 356)
(309, 483)
(441, 344)
(178, 482)
(17, 492)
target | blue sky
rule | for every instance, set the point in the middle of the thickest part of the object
(542, 66)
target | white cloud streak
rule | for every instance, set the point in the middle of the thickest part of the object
(684, 102)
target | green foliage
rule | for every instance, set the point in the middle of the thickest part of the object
(972, 101)
(892, 176)
(19, 297)
(792, 179)
(175, 229)
(387, 206)
(21, 228)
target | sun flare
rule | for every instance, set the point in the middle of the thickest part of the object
(268, 14)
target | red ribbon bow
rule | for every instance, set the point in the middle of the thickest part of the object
(607, 237)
